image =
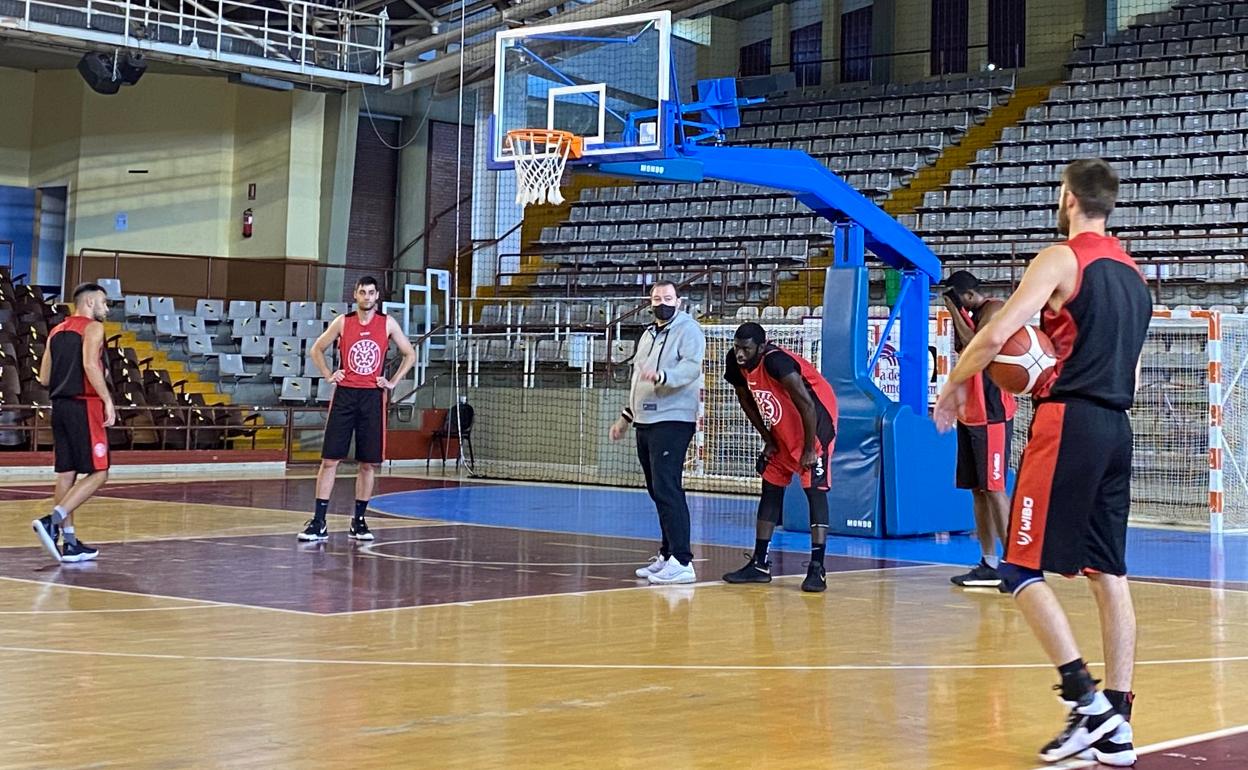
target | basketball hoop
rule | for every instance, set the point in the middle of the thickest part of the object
(540, 155)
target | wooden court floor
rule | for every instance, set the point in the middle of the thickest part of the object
(205, 636)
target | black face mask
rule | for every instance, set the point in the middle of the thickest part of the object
(664, 312)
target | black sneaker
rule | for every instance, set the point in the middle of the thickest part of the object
(816, 579)
(359, 530)
(980, 576)
(315, 531)
(78, 551)
(1115, 749)
(47, 532)
(1087, 724)
(750, 573)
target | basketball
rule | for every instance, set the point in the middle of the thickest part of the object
(1025, 361)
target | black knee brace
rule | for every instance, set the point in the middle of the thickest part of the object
(771, 504)
(818, 501)
(1017, 578)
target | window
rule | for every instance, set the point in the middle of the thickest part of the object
(805, 52)
(856, 45)
(1007, 33)
(756, 58)
(949, 36)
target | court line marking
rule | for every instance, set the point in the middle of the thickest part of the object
(1153, 748)
(709, 667)
(163, 596)
(641, 585)
(370, 549)
(415, 523)
(119, 609)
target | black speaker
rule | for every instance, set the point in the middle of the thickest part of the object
(97, 70)
(131, 67)
(766, 85)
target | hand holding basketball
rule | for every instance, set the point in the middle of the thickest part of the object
(1026, 361)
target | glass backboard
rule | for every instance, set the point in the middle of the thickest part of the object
(603, 80)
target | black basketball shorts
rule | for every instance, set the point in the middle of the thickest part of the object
(360, 412)
(79, 438)
(1074, 491)
(984, 455)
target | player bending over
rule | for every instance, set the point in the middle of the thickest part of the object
(794, 409)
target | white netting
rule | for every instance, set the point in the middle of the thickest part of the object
(1235, 421)
(1170, 478)
(540, 157)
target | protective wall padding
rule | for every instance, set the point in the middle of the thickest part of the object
(919, 466)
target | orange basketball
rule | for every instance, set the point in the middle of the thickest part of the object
(1025, 361)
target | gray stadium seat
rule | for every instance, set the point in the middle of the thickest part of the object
(231, 366)
(272, 309)
(295, 390)
(137, 307)
(163, 306)
(192, 325)
(286, 366)
(324, 391)
(167, 327)
(279, 327)
(309, 328)
(209, 309)
(302, 310)
(240, 309)
(331, 310)
(112, 289)
(289, 345)
(254, 346)
(199, 346)
(246, 327)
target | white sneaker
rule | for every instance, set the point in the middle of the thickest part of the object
(656, 565)
(1116, 749)
(674, 573)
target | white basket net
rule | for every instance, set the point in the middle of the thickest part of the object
(540, 156)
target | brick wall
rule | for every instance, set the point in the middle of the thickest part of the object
(443, 145)
(370, 237)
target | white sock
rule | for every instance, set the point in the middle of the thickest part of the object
(59, 515)
(68, 534)
(991, 561)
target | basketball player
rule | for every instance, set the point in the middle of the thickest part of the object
(794, 409)
(985, 425)
(1071, 502)
(72, 369)
(663, 403)
(359, 403)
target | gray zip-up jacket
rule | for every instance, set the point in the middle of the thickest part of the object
(675, 351)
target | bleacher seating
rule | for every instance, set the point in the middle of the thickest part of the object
(1166, 103)
(875, 138)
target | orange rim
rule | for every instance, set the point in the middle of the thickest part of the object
(548, 136)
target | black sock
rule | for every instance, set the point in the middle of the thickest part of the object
(360, 507)
(1122, 701)
(322, 508)
(1077, 683)
(817, 552)
(760, 552)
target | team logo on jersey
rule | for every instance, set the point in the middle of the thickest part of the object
(100, 449)
(769, 407)
(364, 357)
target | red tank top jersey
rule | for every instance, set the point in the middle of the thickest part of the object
(985, 402)
(774, 403)
(362, 350)
(69, 377)
(1099, 332)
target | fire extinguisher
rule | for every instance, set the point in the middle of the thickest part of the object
(248, 217)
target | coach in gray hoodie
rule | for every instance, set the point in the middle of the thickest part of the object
(663, 403)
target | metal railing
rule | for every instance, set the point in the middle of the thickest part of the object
(305, 39)
(204, 276)
(168, 428)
